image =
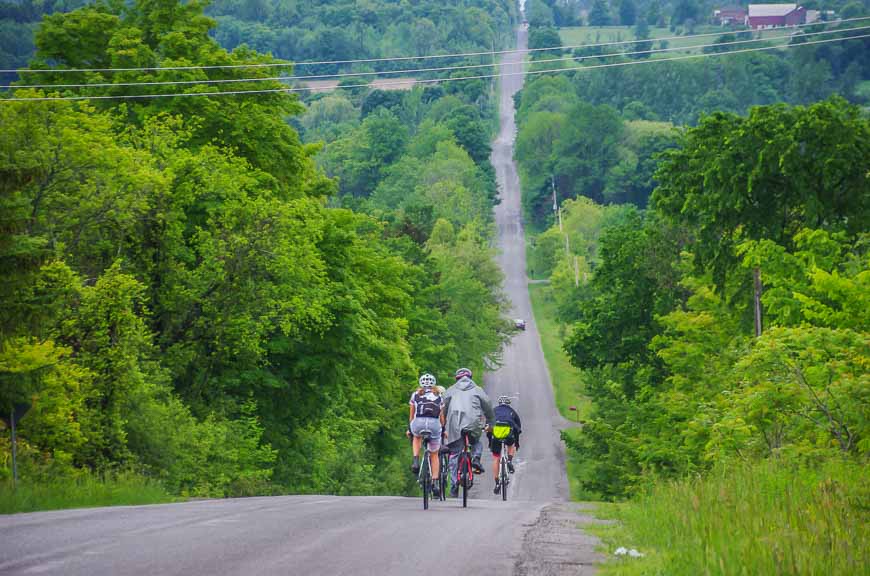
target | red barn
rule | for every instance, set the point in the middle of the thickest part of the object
(730, 15)
(773, 15)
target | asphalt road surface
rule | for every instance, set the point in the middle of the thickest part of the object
(350, 535)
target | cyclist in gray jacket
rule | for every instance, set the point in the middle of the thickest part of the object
(466, 407)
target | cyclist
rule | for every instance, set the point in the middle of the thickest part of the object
(505, 432)
(466, 405)
(426, 414)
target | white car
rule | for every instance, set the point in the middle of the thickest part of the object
(519, 324)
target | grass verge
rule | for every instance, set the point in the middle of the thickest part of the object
(85, 492)
(567, 380)
(768, 517)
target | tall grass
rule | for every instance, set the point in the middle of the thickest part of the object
(765, 518)
(86, 491)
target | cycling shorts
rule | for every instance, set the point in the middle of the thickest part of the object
(433, 425)
(495, 444)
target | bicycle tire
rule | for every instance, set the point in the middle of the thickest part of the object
(504, 479)
(465, 477)
(426, 480)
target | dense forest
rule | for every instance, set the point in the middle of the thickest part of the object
(236, 294)
(308, 31)
(679, 184)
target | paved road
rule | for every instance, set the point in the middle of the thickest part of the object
(541, 473)
(345, 535)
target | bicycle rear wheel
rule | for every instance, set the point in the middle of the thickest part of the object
(442, 478)
(426, 480)
(503, 472)
(465, 477)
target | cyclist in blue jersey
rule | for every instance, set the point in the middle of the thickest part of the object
(505, 432)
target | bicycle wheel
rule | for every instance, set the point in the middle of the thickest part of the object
(503, 472)
(426, 481)
(442, 478)
(465, 478)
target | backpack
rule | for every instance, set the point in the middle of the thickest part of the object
(427, 405)
(501, 430)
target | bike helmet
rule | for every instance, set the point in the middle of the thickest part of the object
(427, 380)
(463, 373)
(504, 400)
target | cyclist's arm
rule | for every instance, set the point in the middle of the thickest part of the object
(411, 413)
(488, 412)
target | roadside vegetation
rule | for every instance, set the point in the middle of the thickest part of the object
(84, 490)
(718, 451)
(237, 294)
(765, 517)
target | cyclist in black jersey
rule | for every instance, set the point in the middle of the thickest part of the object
(426, 415)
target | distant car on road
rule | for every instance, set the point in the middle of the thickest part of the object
(519, 324)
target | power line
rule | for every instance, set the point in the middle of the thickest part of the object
(436, 69)
(395, 58)
(437, 80)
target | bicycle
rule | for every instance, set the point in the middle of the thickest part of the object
(464, 472)
(503, 472)
(424, 476)
(444, 471)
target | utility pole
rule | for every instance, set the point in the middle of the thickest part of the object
(553, 185)
(576, 273)
(756, 274)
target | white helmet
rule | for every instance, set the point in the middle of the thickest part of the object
(427, 380)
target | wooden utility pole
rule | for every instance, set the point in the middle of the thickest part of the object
(756, 276)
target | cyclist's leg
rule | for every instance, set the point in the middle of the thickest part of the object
(495, 447)
(453, 461)
(434, 452)
(477, 453)
(511, 451)
(477, 447)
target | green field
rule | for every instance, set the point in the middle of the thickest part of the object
(576, 36)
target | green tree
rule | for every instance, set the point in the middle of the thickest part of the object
(766, 176)
(599, 14)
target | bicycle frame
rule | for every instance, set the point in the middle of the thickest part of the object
(504, 476)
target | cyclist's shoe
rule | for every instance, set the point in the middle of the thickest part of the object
(497, 488)
(510, 464)
(476, 466)
(454, 491)
(436, 492)
(415, 465)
